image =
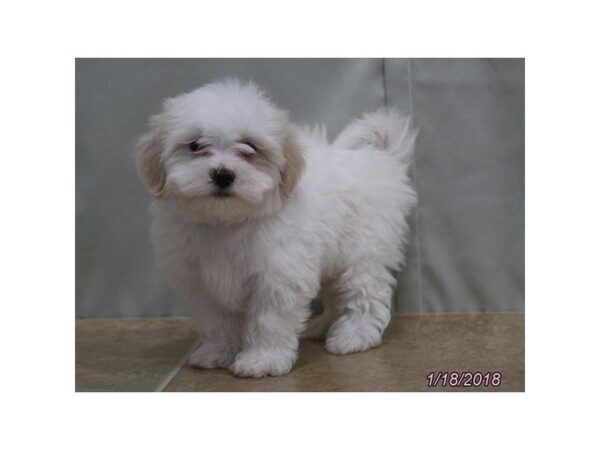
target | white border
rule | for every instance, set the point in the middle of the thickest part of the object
(40, 40)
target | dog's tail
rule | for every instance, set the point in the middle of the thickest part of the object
(385, 129)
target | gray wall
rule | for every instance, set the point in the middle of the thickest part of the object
(467, 251)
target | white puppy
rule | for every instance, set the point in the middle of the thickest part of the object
(254, 217)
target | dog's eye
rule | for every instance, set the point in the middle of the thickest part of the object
(196, 146)
(248, 150)
(251, 145)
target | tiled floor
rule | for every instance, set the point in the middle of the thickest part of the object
(129, 354)
(148, 355)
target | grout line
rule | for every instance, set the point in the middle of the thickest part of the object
(414, 174)
(173, 373)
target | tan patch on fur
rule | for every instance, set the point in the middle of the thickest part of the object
(294, 163)
(148, 161)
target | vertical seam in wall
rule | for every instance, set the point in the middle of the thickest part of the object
(414, 175)
(385, 101)
(395, 307)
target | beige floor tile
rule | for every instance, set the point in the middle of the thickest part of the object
(129, 354)
(414, 346)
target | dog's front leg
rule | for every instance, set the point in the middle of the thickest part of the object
(276, 315)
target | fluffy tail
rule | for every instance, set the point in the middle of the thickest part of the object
(385, 129)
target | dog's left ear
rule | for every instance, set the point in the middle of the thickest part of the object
(294, 162)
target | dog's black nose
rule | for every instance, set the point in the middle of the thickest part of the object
(222, 177)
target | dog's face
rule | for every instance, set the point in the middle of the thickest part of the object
(220, 154)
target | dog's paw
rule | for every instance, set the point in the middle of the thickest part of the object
(212, 355)
(353, 336)
(256, 364)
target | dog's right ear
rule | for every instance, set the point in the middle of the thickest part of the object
(148, 159)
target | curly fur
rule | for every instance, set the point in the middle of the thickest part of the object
(301, 217)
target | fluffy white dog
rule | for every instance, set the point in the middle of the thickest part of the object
(254, 217)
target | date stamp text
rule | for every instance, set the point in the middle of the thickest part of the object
(464, 379)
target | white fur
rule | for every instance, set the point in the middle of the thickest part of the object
(309, 217)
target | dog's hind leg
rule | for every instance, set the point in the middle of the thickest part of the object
(363, 308)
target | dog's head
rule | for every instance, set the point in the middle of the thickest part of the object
(220, 154)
